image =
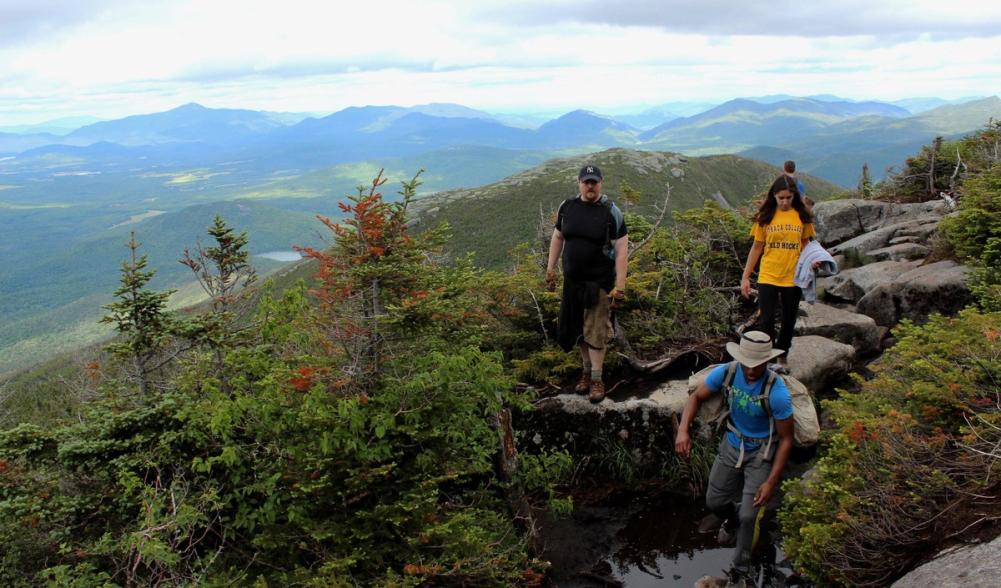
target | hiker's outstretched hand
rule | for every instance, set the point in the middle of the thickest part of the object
(765, 492)
(551, 279)
(745, 287)
(683, 444)
(615, 298)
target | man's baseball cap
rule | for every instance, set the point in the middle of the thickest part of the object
(589, 172)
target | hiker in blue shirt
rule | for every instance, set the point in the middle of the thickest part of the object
(756, 446)
(789, 167)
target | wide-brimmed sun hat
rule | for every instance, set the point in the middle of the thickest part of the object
(755, 348)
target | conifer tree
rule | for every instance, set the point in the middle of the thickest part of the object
(865, 182)
(374, 264)
(222, 271)
(140, 316)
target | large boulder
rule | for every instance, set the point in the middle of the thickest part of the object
(819, 362)
(852, 284)
(857, 330)
(936, 287)
(970, 566)
(643, 426)
(840, 220)
(914, 232)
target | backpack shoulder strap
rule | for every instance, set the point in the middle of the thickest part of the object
(562, 208)
(616, 213)
(609, 219)
(766, 394)
(731, 373)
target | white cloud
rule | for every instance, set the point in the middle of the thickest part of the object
(117, 57)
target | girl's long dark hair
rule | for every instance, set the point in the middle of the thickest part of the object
(767, 210)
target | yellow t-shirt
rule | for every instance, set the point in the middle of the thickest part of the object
(783, 239)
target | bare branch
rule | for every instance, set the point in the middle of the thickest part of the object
(656, 225)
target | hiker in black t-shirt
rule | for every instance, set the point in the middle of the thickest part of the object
(591, 236)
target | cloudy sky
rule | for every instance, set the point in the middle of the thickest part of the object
(111, 58)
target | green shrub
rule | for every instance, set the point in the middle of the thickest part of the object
(912, 451)
(350, 443)
(975, 235)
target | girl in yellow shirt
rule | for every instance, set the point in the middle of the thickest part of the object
(782, 227)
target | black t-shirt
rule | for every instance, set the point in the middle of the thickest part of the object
(586, 226)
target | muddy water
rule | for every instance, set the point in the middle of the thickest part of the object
(637, 541)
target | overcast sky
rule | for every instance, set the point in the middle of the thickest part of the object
(112, 58)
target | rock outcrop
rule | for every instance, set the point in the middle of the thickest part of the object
(936, 287)
(892, 241)
(818, 361)
(857, 330)
(640, 425)
(839, 221)
(851, 285)
(971, 566)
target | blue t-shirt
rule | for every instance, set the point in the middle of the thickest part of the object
(747, 414)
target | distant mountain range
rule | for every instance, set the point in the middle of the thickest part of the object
(192, 135)
(68, 200)
(838, 151)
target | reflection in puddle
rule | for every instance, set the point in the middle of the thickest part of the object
(646, 542)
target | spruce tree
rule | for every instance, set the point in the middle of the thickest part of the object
(140, 316)
(222, 272)
(865, 182)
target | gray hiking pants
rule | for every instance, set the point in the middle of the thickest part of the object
(731, 491)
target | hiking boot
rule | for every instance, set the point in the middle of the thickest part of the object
(739, 577)
(597, 391)
(781, 366)
(727, 536)
(710, 524)
(583, 385)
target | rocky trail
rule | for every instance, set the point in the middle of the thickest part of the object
(887, 274)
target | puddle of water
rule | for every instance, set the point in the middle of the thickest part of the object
(281, 255)
(661, 542)
(646, 542)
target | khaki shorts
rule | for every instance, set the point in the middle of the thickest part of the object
(598, 323)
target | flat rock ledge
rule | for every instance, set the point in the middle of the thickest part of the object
(970, 566)
(843, 326)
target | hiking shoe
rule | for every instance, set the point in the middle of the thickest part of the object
(739, 577)
(727, 536)
(780, 367)
(710, 524)
(583, 385)
(597, 391)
